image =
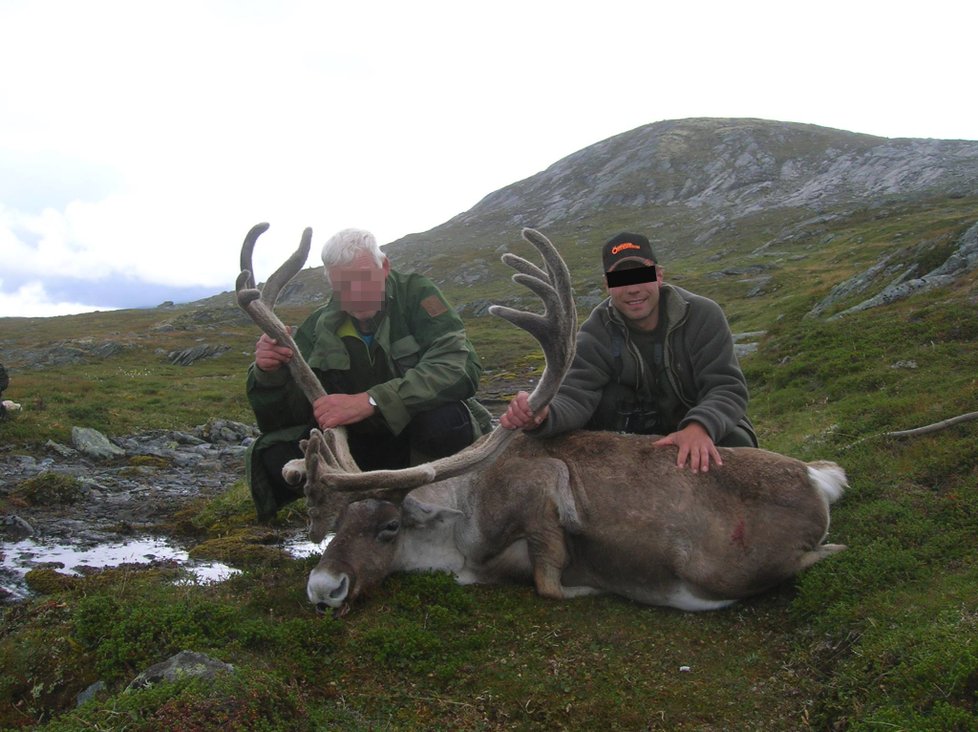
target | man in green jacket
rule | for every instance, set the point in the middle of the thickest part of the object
(399, 373)
(653, 358)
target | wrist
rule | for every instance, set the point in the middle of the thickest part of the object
(270, 377)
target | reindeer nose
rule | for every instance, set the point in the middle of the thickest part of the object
(322, 608)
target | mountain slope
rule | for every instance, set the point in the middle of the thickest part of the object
(703, 172)
(723, 193)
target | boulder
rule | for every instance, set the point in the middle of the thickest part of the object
(94, 444)
(185, 663)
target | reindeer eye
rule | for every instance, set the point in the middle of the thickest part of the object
(390, 530)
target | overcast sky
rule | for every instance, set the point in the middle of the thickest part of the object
(140, 141)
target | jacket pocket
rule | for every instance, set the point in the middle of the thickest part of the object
(405, 353)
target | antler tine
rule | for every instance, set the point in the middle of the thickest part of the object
(247, 249)
(556, 266)
(289, 269)
(556, 331)
(521, 265)
(336, 447)
(259, 307)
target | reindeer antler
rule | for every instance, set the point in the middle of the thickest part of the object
(555, 330)
(260, 308)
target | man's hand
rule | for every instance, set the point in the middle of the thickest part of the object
(518, 415)
(269, 355)
(336, 410)
(695, 445)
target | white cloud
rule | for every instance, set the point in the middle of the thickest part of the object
(32, 301)
(154, 136)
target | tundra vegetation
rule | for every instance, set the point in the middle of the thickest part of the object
(883, 636)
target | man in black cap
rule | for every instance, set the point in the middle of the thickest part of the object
(652, 359)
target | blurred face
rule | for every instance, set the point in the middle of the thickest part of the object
(360, 286)
(638, 303)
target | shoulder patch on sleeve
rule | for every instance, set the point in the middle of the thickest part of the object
(434, 306)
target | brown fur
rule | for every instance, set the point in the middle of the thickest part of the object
(565, 513)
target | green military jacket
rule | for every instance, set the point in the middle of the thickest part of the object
(421, 359)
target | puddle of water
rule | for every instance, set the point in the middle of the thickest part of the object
(300, 547)
(18, 558)
(22, 556)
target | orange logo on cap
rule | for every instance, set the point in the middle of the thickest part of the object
(622, 247)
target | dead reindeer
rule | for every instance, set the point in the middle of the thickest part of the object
(579, 514)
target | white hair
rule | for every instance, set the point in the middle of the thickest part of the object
(344, 246)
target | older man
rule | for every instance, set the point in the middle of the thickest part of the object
(399, 372)
(653, 358)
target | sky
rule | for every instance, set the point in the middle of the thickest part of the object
(140, 141)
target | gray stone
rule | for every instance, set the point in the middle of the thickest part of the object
(182, 665)
(62, 450)
(94, 444)
(964, 259)
(14, 528)
(189, 356)
(90, 693)
(183, 438)
(745, 342)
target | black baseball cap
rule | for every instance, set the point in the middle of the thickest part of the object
(626, 247)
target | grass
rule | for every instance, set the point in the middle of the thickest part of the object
(881, 637)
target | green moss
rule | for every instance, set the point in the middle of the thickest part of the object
(232, 508)
(242, 547)
(244, 700)
(49, 581)
(149, 461)
(50, 488)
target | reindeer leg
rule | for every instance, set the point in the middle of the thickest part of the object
(548, 554)
(817, 554)
(547, 536)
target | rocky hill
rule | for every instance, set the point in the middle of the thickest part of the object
(731, 168)
(697, 187)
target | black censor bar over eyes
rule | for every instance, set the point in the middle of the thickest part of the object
(634, 276)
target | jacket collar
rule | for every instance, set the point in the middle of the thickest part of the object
(676, 308)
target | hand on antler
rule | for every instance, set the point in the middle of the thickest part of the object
(269, 355)
(519, 416)
(337, 410)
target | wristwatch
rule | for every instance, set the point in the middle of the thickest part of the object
(371, 401)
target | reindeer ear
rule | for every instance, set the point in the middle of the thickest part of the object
(419, 513)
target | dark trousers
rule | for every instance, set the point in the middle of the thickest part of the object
(436, 433)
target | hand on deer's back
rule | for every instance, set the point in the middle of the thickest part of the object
(695, 448)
